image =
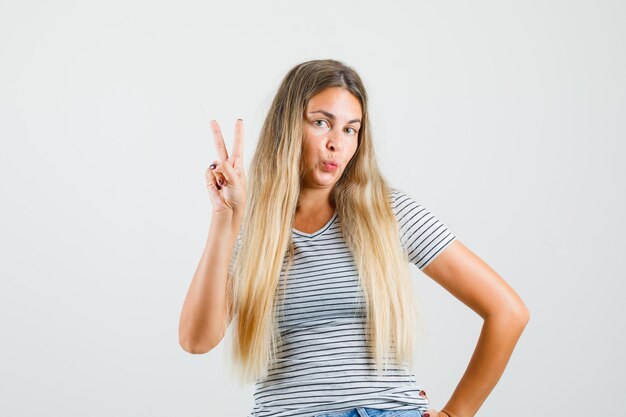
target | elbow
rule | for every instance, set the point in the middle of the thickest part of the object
(514, 315)
(198, 341)
(526, 317)
(520, 315)
(195, 349)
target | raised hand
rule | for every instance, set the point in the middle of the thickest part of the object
(225, 177)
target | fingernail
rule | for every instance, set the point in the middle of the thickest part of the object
(221, 181)
(212, 166)
(422, 392)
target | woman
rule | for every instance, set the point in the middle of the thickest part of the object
(311, 263)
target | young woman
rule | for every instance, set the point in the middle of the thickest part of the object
(310, 264)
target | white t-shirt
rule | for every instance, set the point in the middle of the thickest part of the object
(322, 363)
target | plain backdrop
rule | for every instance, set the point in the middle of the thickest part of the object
(505, 119)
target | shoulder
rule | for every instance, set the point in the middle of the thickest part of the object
(394, 194)
(401, 202)
(422, 233)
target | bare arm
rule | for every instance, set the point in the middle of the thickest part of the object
(204, 312)
(477, 285)
(203, 320)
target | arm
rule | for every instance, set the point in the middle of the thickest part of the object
(201, 325)
(478, 286)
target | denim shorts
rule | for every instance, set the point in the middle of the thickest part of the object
(374, 412)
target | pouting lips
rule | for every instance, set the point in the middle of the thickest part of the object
(330, 167)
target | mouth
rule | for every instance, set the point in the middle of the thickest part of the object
(330, 165)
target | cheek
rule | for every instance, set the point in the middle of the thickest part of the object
(355, 147)
(308, 154)
(308, 149)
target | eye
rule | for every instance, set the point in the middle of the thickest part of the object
(354, 130)
(320, 120)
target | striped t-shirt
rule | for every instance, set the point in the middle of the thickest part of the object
(322, 364)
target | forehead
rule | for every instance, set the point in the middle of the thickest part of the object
(335, 99)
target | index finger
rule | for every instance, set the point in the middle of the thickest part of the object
(222, 153)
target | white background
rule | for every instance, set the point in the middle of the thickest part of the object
(505, 119)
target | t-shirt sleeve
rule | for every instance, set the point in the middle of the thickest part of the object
(422, 234)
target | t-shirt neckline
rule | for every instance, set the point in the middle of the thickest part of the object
(318, 232)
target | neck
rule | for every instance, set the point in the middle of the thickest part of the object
(316, 200)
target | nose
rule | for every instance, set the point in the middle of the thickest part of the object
(334, 142)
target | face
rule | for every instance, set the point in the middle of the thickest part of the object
(332, 121)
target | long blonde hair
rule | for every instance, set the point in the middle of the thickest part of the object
(368, 225)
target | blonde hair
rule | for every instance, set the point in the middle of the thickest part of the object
(361, 198)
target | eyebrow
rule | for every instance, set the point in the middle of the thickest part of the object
(332, 116)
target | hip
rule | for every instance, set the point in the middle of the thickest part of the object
(374, 412)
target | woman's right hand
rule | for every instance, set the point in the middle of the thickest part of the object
(225, 177)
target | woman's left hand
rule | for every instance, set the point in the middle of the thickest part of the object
(431, 412)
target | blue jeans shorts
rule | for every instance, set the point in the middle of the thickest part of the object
(374, 412)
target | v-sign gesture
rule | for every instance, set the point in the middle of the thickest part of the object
(225, 177)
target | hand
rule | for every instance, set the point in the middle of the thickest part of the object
(431, 412)
(226, 182)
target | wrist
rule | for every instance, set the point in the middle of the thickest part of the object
(447, 413)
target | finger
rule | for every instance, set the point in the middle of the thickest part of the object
(431, 412)
(227, 171)
(214, 176)
(222, 153)
(225, 174)
(214, 193)
(237, 154)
